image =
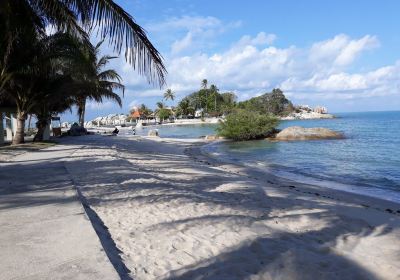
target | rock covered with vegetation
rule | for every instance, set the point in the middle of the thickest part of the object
(242, 125)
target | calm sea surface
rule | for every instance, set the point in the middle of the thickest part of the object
(367, 161)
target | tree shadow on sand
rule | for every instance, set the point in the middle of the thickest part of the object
(278, 254)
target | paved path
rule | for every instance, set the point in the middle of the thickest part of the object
(45, 233)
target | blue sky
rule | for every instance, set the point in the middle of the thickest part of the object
(341, 54)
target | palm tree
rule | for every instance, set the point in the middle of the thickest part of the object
(57, 96)
(32, 62)
(160, 105)
(169, 94)
(204, 83)
(24, 23)
(73, 16)
(214, 90)
(145, 111)
(97, 83)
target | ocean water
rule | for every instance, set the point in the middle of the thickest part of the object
(367, 161)
(180, 131)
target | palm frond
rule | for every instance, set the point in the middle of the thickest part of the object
(104, 60)
(124, 33)
(109, 74)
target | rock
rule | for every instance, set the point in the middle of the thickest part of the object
(307, 115)
(211, 137)
(153, 133)
(77, 130)
(301, 133)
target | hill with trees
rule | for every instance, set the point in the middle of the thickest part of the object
(273, 102)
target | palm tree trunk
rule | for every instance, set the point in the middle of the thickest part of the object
(41, 126)
(81, 110)
(19, 134)
(29, 122)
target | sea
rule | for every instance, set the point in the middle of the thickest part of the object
(367, 161)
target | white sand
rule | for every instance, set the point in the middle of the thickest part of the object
(174, 217)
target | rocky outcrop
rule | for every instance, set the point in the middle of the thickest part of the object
(302, 133)
(213, 137)
(153, 133)
(307, 115)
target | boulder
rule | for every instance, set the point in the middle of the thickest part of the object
(302, 133)
(153, 133)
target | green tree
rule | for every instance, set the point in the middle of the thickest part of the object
(269, 103)
(97, 83)
(33, 63)
(56, 94)
(164, 113)
(145, 111)
(169, 94)
(204, 84)
(184, 108)
(246, 125)
(24, 23)
(73, 16)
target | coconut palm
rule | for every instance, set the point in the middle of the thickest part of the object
(169, 94)
(204, 83)
(97, 83)
(57, 96)
(214, 90)
(160, 105)
(24, 23)
(32, 62)
(111, 21)
(145, 111)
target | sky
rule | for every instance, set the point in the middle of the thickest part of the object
(344, 55)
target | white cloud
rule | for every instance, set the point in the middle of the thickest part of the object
(191, 33)
(262, 38)
(253, 64)
(341, 50)
(134, 104)
(92, 105)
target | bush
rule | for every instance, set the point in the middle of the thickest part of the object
(164, 114)
(246, 125)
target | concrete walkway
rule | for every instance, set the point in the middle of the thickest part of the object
(45, 233)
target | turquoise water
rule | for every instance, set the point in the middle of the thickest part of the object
(367, 161)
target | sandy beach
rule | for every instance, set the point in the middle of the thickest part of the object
(175, 214)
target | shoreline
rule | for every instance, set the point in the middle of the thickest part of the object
(176, 214)
(200, 143)
(369, 192)
(196, 151)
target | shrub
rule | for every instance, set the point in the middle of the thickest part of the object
(246, 125)
(164, 114)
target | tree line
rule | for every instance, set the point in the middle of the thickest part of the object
(42, 74)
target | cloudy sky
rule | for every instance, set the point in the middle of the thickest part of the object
(341, 54)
